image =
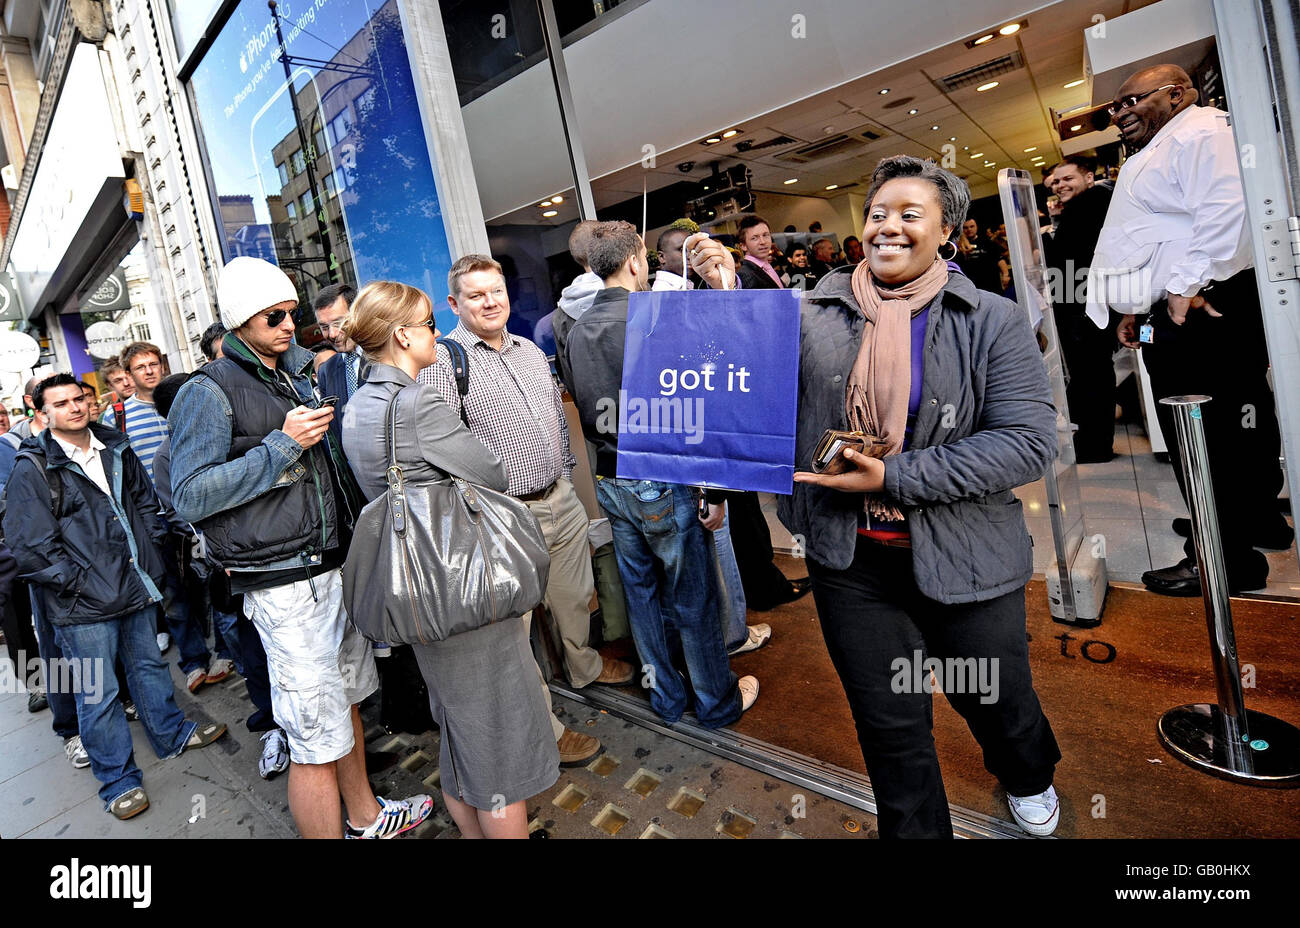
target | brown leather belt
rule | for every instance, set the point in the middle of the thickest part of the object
(533, 497)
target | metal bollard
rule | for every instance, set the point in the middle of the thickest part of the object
(1223, 739)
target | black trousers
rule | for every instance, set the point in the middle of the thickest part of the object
(751, 538)
(1090, 390)
(1226, 359)
(876, 623)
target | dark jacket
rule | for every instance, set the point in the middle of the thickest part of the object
(595, 353)
(986, 424)
(1069, 250)
(753, 277)
(99, 559)
(332, 379)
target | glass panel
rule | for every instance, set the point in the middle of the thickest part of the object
(189, 20)
(386, 221)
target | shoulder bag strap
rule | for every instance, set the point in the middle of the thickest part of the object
(393, 474)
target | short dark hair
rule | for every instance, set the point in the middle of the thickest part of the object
(668, 233)
(580, 241)
(165, 393)
(86, 386)
(852, 238)
(612, 243)
(135, 349)
(1084, 163)
(791, 229)
(747, 222)
(49, 383)
(208, 340)
(814, 227)
(329, 295)
(954, 195)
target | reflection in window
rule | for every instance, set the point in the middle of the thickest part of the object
(358, 200)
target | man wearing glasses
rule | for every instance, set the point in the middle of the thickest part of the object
(342, 374)
(255, 470)
(1175, 247)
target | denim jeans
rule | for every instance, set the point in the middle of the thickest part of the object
(104, 731)
(670, 582)
(731, 592)
(225, 635)
(63, 705)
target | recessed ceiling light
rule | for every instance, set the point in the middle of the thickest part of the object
(550, 213)
(952, 138)
(989, 164)
(831, 186)
(984, 38)
(545, 203)
(1074, 83)
(1076, 128)
(983, 87)
(883, 91)
(912, 112)
(1031, 148)
(557, 199)
(935, 128)
(793, 180)
(1009, 29)
(712, 140)
(978, 154)
(730, 132)
(965, 148)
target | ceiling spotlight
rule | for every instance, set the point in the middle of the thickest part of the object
(983, 87)
(793, 180)
(982, 39)
(1076, 128)
(550, 213)
(545, 203)
(712, 140)
(965, 148)
(1074, 83)
(557, 199)
(883, 91)
(935, 128)
(952, 138)
(1031, 148)
(1009, 29)
(831, 186)
(912, 112)
(730, 132)
(978, 154)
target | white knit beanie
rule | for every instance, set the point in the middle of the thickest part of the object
(246, 286)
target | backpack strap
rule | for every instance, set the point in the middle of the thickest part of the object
(119, 416)
(460, 367)
(51, 480)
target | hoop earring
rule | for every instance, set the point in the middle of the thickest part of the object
(950, 257)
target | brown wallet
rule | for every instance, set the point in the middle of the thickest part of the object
(828, 456)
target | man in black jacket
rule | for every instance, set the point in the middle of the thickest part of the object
(755, 241)
(82, 518)
(1088, 350)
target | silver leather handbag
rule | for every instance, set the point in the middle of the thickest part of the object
(434, 559)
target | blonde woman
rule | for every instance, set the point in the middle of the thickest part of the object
(498, 749)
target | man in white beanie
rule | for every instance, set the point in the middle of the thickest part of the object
(256, 472)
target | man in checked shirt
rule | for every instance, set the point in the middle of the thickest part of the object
(514, 407)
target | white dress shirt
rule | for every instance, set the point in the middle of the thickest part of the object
(1177, 219)
(88, 460)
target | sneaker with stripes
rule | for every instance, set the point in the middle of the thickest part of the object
(395, 817)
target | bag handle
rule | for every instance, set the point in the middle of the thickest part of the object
(393, 474)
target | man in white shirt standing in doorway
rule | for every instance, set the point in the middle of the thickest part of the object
(1176, 246)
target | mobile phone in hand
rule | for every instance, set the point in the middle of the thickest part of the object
(327, 401)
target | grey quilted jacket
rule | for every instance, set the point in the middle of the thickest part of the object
(986, 424)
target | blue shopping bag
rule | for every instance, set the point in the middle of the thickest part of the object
(710, 380)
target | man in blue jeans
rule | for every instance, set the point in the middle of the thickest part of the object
(663, 553)
(82, 519)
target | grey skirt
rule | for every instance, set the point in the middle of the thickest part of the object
(497, 743)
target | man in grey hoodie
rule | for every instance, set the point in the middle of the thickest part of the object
(576, 297)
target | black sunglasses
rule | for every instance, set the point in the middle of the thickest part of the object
(1133, 99)
(276, 316)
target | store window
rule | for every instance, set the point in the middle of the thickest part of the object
(190, 19)
(384, 221)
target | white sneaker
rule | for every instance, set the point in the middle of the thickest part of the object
(76, 752)
(275, 754)
(759, 635)
(1037, 815)
(164, 642)
(748, 692)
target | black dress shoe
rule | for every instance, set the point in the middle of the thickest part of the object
(1182, 579)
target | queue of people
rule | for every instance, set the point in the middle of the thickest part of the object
(268, 454)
